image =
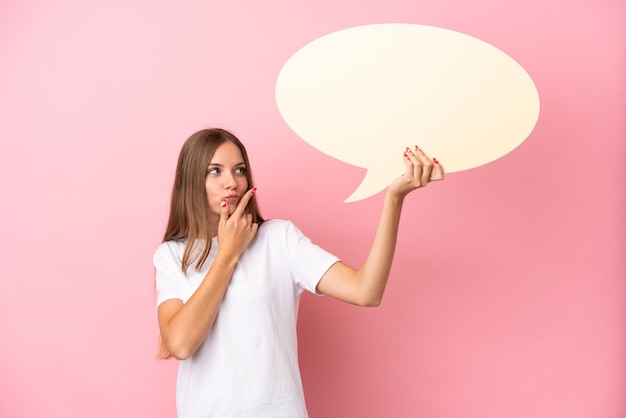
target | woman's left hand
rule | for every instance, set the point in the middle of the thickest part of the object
(420, 170)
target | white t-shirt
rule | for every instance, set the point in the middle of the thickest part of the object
(248, 364)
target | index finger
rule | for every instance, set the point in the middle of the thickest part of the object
(241, 206)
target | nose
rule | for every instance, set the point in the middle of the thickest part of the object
(229, 180)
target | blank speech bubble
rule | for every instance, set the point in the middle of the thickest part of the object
(363, 94)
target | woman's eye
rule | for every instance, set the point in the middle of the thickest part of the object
(214, 170)
(240, 170)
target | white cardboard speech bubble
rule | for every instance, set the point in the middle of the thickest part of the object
(363, 94)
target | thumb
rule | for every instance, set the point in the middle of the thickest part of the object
(438, 171)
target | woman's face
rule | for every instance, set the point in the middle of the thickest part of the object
(226, 179)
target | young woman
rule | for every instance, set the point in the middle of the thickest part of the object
(229, 283)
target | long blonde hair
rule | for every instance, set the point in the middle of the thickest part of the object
(189, 211)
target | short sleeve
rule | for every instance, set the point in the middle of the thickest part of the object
(307, 261)
(169, 274)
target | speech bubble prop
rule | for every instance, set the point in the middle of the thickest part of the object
(363, 94)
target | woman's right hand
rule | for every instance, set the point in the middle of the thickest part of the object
(236, 231)
(184, 326)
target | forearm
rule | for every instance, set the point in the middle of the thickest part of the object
(365, 286)
(185, 330)
(372, 276)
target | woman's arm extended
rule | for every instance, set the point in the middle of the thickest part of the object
(366, 285)
(184, 326)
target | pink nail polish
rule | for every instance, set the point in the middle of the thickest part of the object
(404, 153)
(408, 149)
(223, 203)
(253, 190)
(435, 161)
(417, 148)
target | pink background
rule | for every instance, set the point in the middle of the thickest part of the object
(507, 297)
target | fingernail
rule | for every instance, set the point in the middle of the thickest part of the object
(435, 160)
(417, 148)
(408, 149)
(253, 190)
(223, 203)
(404, 153)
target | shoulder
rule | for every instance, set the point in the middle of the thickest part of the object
(171, 245)
(277, 228)
(275, 234)
(280, 233)
(276, 224)
(169, 250)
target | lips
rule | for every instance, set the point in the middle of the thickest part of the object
(233, 198)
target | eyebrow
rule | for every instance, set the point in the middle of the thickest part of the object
(222, 165)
